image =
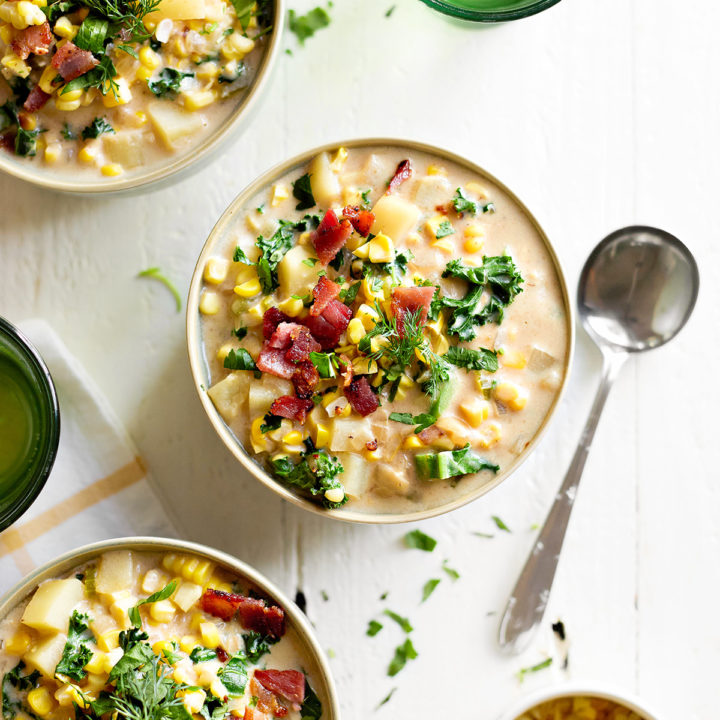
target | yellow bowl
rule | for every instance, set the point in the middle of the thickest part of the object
(199, 367)
(193, 159)
(313, 656)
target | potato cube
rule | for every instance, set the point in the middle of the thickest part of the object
(45, 656)
(355, 476)
(115, 572)
(390, 482)
(394, 216)
(172, 124)
(228, 395)
(125, 148)
(323, 181)
(350, 434)
(187, 595)
(50, 607)
(296, 271)
(179, 10)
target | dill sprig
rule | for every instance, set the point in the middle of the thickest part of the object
(127, 14)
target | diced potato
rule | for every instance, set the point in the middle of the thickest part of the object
(228, 395)
(295, 276)
(125, 148)
(355, 476)
(395, 217)
(323, 181)
(390, 482)
(350, 434)
(179, 10)
(432, 191)
(262, 394)
(115, 572)
(171, 123)
(50, 607)
(187, 595)
(46, 655)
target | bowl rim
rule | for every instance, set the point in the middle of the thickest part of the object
(489, 16)
(603, 691)
(194, 346)
(72, 558)
(51, 440)
(192, 159)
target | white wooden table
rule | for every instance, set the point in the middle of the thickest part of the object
(599, 113)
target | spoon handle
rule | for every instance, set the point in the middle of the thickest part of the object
(529, 598)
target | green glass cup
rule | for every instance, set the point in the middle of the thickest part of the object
(489, 11)
(29, 424)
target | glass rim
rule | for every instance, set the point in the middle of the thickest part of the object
(23, 348)
(489, 16)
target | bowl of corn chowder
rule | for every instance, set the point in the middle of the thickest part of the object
(108, 95)
(379, 330)
(580, 703)
(146, 627)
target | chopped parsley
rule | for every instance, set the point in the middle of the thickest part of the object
(450, 572)
(429, 588)
(374, 627)
(240, 256)
(418, 540)
(312, 707)
(270, 422)
(403, 653)
(167, 85)
(463, 204)
(92, 35)
(273, 250)
(444, 229)
(96, 128)
(76, 653)
(302, 192)
(388, 13)
(14, 680)
(501, 525)
(403, 622)
(239, 359)
(533, 669)
(202, 654)
(67, 132)
(325, 363)
(157, 274)
(240, 333)
(316, 472)
(26, 142)
(305, 26)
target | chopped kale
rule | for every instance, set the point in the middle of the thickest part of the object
(273, 250)
(444, 229)
(316, 472)
(234, 675)
(202, 654)
(76, 653)
(481, 359)
(257, 645)
(451, 463)
(96, 128)
(270, 422)
(168, 82)
(26, 142)
(302, 192)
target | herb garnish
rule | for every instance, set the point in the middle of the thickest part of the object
(429, 588)
(316, 472)
(374, 627)
(403, 622)
(450, 572)
(463, 204)
(239, 359)
(270, 422)
(256, 645)
(302, 191)
(67, 132)
(234, 675)
(403, 653)
(533, 668)
(96, 128)
(202, 654)
(239, 333)
(451, 463)
(501, 525)
(305, 26)
(76, 653)
(418, 540)
(157, 274)
(312, 707)
(386, 699)
(167, 85)
(444, 229)
(273, 250)
(482, 359)
(164, 594)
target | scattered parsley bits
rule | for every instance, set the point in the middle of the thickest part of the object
(450, 572)
(404, 623)
(386, 699)
(157, 274)
(239, 359)
(270, 423)
(374, 627)
(418, 540)
(305, 26)
(302, 192)
(533, 669)
(96, 128)
(67, 132)
(429, 588)
(403, 653)
(168, 82)
(501, 525)
(489, 536)
(164, 594)
(240, 333)
(390, 11)
(444, 229)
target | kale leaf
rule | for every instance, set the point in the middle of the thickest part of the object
(257, 645)
(96, 128)
(76, 653)
(302, 191)
(234, 675)
(316, 472)
(481, 359)
(168, 83)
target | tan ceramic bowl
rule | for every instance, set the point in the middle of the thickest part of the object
(201, 375)
(314, 658)
(542, 696)
(176, 167)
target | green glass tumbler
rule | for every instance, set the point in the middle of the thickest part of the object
(29, 424)
(489, 11)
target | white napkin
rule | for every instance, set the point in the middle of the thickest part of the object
(98, 488)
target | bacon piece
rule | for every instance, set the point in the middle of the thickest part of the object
(274, 362)
(282, 337)
(406, 300)
(71, 62)
(330, 236)
(430, 433)
(347, 371)
(325, 291)
(305, 379)
(222, 655)
(361, 397)
(303, 343)
(254, 613)
(36, 99)
(271, 319)
(253, 714)
(288, 684)
(402, 172)
(330, 324)
(7, 141)
(361, 220)
(292, 408)
(268, 702)
(35, 39)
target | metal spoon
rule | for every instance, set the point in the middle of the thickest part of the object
(636, 291)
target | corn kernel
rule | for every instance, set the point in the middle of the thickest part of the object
(28, 14)
(437, 170)
(111, 170)
(293, 438)
(381, 249)
(162, 611)
(65, 29)
(404, 384)
(248, 289)
(95, 682)
(356, 331)
(209, 303)
(202, 572)
(88, 153)
(198, 99)
(121, 603)
(513, 359)
(236, 46)
(292, 306)
(372, 455)
(148, 57)
(40, 701)
(362, 251)
(511, 395)
(441, 345)
(96, 665)
(68, 695)
(432, 225)
(475, 411)
(216, 270)
(108, 640)
(67, 105)
(371, 292)
(473, 244)
(335, 495)
(184, 675)
(444, 244)
(6, 33)
(321, 435)
(280, 193)
(207, 71)
(412, 442)
(491, 435)
(413, 238)
(258, 440)
(209, 635)
(52, 153)
(364, 366)
(154, 580)
(478, 189)
(188, 643)
(18, 643)
(336, 164)
(143, 73)
(218, 689)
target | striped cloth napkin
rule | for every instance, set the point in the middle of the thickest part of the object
(98, 488)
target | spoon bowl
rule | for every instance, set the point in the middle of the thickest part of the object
(636, 291)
